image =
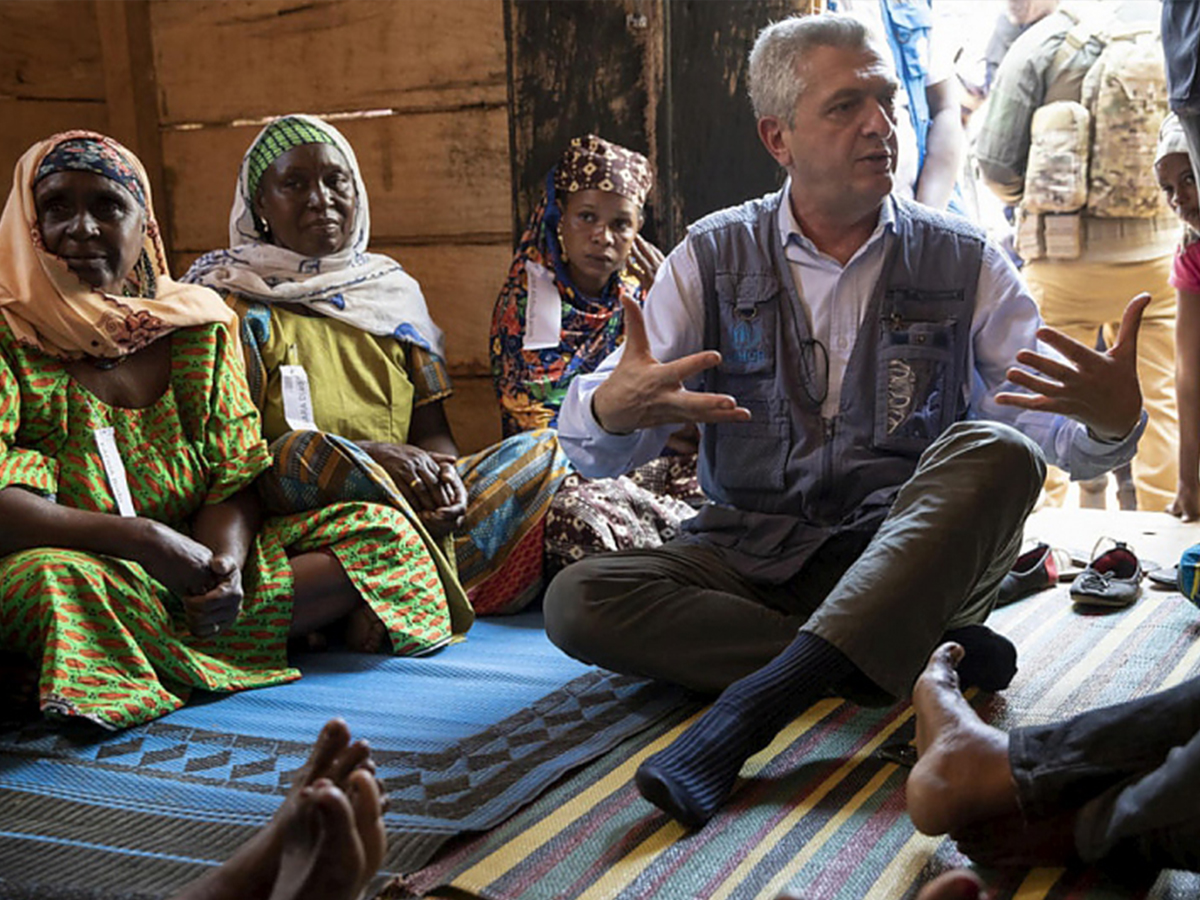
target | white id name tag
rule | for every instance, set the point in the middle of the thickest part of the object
(114, 468)
(297, 400)
(543, 309)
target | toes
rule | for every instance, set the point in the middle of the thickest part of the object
(942, 668)
(351, 758)
(322, 856)
(949, 654)
(331, 744)
(333, 807)
(368, 805)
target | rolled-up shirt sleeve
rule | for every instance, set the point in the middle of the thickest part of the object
(1006, 320)
(674, 315)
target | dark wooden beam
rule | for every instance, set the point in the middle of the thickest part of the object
(131, 90)
(574, 68)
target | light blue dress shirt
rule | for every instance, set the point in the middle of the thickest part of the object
(835, 298)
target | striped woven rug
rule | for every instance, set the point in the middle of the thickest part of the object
(820, 813)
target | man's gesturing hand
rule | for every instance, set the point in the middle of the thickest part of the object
(641, 392)
(1101, 390)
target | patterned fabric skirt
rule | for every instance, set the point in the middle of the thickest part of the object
(112, 641)
(636, 511)
(510, 486)
(497, 554)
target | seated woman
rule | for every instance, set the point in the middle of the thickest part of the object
(558, 315)
(348, 369)
(133, 562)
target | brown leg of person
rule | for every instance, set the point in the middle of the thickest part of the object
(962, 775)
(963, 784)
(323, 595)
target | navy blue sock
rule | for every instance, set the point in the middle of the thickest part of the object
(690, 779)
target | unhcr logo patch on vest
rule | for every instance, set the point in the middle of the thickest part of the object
(747, 348)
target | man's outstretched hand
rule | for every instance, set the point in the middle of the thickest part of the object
(1100, 389)
(641, 392)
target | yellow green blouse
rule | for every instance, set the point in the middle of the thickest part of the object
(363, 387)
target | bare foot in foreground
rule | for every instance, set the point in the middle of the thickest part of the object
(333, 841)
(252, 872)
(962, 774)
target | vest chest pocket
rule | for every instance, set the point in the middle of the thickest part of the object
(915, 384)
(749, 314)
(753, 455)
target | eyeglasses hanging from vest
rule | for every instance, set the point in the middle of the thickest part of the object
(814, 371)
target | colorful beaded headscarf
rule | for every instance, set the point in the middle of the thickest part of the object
(590, 162)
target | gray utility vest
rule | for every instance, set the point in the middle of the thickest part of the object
(784, 482)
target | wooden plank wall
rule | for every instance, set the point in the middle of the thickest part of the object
(434, 150)
(419, 88)
(454, 121)
(710, 168)
(664, 77)
(51, 73)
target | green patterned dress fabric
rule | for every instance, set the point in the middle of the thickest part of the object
(110, 641)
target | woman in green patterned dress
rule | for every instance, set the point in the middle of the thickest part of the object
(134, 561)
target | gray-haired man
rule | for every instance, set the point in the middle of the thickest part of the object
(868, 462)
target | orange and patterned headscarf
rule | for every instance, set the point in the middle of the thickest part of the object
(46, 306)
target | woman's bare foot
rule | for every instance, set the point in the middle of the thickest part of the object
(365, 632)
(962, 774)
(250, 874)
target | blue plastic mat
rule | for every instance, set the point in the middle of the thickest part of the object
(462, 739)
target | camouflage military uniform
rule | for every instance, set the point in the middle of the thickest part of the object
(1083, 265)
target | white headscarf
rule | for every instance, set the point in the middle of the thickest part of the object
(367, 290)
(1171, 138)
